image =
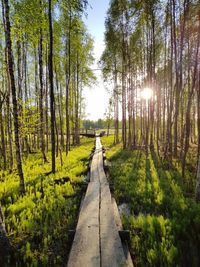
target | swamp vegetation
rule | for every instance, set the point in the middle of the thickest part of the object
(151, 64)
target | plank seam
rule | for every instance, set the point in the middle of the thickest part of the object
(99, 213)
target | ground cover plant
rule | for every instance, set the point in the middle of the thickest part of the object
(149, 57)
(37, 223)
(164, 219)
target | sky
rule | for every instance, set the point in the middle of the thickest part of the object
(96, 97)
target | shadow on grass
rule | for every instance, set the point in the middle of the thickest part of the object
(150, 187)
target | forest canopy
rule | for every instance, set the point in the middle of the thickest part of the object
(152, 57)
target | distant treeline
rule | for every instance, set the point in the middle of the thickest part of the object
(99, 124)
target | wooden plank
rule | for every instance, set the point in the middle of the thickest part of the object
(85, 249)
(119, 227)
(94, 168)
(117, 215)
(112, 253)
(97, 242)
(98, 143)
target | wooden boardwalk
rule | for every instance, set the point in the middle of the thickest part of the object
(97, 242)
(88, 132)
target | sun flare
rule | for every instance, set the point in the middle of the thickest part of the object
(147, 93)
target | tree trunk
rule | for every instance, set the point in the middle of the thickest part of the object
(9, 131)
(42, 141)
(68, 76)
(189, 104)
(47, 103)
(14, 97)
(177, 92)
(198, 115)
(52, 102)
(197, 190)
(2, 138)
(60, 109)
(2, 131)
(116, 106)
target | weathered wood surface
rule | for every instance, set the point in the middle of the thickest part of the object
(97, 242)
(119, 227)
(85, 249)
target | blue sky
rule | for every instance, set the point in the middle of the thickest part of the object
(96, 17)
(96, 97)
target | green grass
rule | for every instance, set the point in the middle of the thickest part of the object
(164, 224)
(38, 222)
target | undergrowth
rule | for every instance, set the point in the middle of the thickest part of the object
(37, 223)
(164, 219)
